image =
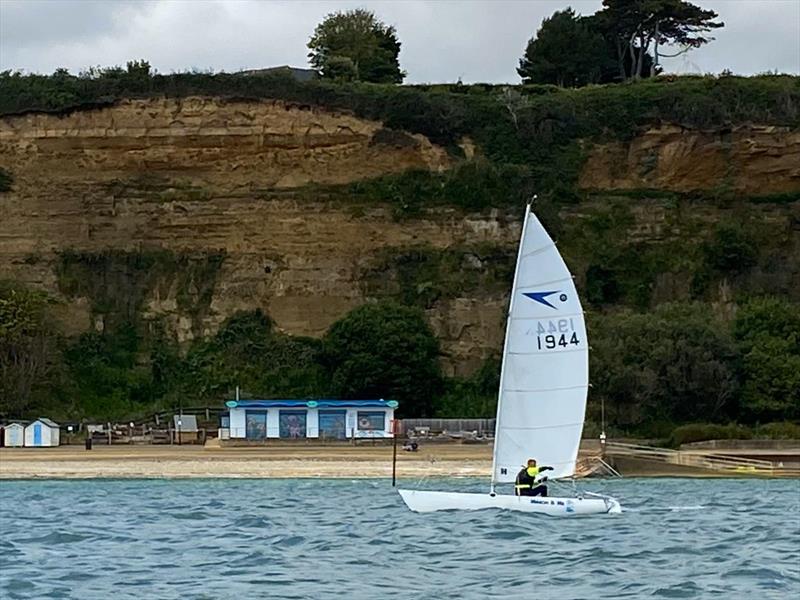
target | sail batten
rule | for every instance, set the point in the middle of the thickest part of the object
(545, 374)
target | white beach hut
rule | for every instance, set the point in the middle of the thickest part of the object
(42, 433)
(14, 435)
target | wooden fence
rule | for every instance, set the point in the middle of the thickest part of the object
(482, 426)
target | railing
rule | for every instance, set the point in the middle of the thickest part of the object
(703, 460)
(451, 425)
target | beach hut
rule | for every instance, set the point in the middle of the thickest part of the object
(42, 433)
(254, 420)
(14, 435)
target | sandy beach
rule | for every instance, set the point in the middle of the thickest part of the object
(74, 462)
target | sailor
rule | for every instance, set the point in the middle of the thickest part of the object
(527, 483)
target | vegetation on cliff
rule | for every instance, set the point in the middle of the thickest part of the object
(691, 294)
(531, 138)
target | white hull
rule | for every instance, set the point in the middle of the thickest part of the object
(425, 501)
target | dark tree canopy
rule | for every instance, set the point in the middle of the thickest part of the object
(26, 346)
(385, 351)
(618, 43)
(672, 364)
(355, 46)
(637, 25)
(768, 332)
(565, 52)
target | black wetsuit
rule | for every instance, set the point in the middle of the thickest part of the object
(526, 483)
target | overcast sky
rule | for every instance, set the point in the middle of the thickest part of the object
(443, 40)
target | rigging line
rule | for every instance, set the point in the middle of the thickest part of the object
(558, 389)
(554, 318)
(539, 251)
(543, 283)
(562, 426)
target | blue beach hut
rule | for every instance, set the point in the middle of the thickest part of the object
(42, 433)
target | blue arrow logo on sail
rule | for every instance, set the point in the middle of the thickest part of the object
(540, 297)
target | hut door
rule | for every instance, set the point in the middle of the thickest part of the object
(37, 434)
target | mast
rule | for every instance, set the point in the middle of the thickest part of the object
(505, 343)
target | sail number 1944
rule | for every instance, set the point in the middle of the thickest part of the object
(554, 334)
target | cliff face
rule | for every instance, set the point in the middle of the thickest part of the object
(190, 210)
(196, 177)
(752, 160)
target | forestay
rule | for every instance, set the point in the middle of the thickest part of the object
(545, 371)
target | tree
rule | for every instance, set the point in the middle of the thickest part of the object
(564, 52)
(26, 347)
(673, 364)
(768, 333)
(636, 25)
(355, 45)
(731, 249)
(248, 352)
(385, 351)
(474, 397)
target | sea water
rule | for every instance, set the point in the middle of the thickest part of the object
(304, 538)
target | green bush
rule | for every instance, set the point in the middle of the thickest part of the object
(731, 249)
(423, 275)
(472, 186)
(473, 397)
(700, 432)
(386, 351)
(247, 352)
(676, 363)
(768, 334)
(117, 281)
(783, 430)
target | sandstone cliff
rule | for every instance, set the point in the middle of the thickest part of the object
(235, 193)
(752, 160)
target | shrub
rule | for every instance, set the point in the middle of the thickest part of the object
(731, 249)
(474, 397)
(676, 364)
(783, 430)
(387, 351)
(768, 333)
(700, 432)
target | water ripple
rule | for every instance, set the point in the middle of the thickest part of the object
(330, 539)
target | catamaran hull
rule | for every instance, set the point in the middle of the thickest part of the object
(425, 501)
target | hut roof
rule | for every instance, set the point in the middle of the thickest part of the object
(311, 403)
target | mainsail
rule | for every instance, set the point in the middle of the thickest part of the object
(545, 371)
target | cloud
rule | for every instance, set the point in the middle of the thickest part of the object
(442, 41)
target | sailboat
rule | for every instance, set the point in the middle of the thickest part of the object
(544, 379)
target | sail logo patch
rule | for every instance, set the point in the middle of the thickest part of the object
(541, 297)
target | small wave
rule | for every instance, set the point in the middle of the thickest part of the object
(251, 521)
(61, 537)
(675, 508)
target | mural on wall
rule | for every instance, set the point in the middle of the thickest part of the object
(256, 424)
(292, 424)
(332, 424)
(371, 421)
